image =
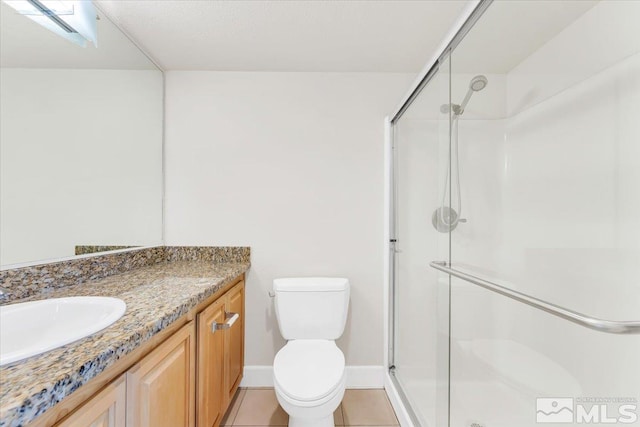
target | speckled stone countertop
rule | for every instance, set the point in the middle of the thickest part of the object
(155, 295)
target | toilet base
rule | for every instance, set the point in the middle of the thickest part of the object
(312, 416)
(311, 422)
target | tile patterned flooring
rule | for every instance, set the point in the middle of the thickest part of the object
(259, 407)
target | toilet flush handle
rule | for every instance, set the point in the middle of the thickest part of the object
(231, 319)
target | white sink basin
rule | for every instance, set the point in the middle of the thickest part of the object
(31, 328)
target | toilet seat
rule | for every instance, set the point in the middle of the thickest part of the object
(309, 372)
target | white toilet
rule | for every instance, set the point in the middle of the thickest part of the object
(308, 372)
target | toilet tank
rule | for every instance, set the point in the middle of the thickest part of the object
(311, 307)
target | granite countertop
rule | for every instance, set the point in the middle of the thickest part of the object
(156, 296)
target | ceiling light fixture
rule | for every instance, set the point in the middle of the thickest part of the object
(75, 20)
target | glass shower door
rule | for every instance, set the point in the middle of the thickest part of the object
(420, 332)
(550, 177)
(529, 132)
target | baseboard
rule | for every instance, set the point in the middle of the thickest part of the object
(365, 376)
(360, 376)
(257, 376)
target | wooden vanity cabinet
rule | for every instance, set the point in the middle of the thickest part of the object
(160, 388)
(210, 380)
(234, 344)
(185, 380)
(105, 409)
(220, 355)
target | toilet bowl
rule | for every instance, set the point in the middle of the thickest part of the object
(309, 380)
(309, 371)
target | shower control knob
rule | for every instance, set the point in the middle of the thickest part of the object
(462, 220)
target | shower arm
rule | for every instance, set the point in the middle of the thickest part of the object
(600, 325)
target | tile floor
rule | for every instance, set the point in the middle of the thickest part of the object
(259, 407)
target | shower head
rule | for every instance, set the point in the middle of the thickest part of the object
(478, 83)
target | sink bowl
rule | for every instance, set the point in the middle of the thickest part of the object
(31, 328)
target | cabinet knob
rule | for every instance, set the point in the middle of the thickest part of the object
(231, 319)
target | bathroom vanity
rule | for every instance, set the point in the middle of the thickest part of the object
(174, 359)
(195, 370)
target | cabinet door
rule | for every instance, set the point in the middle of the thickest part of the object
(160, 388)
(105, 409)
(210, 380)
(234, 345)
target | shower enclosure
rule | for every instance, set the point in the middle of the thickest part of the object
(514, 288)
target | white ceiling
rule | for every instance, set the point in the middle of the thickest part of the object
(373, 36)
(509, 31)
(295, 35)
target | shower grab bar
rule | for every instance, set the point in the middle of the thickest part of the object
(609, 326)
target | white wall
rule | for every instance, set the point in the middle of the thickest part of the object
(81, 160)
(290, 164)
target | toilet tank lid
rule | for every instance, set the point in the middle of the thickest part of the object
(311, 284)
